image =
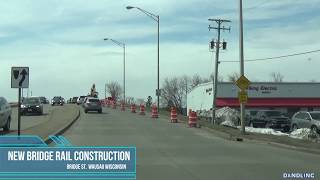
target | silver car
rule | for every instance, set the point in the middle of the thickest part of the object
(92, 104)
(5, 114)
(304, 119)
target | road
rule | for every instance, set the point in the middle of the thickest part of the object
(173, 151)
(54, 119)
(30, 120)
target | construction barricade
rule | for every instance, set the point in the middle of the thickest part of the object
(173, 114)
(133, 108)
(154, 111)
(142, 110)
(108, 103)
(122, 107)
(192, 119)
(114, 105)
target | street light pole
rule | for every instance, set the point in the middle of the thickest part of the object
(241, 57)
(158, 62)
(157, 19)
(123, 45)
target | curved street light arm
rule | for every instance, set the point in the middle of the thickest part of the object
(116, 42)
(151, 15)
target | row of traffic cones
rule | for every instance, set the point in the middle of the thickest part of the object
(192, 121)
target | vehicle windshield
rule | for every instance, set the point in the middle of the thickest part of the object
(273, 113)
(94, 100)
(56, 98)
(315, 116)
(31, 100)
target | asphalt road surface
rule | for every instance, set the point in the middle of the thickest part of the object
(29, 120)
(173, 151)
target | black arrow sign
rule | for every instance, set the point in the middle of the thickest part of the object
(23, 73)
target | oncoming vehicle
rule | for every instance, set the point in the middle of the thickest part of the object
(304, 119)
(92, 104)
(31, 105)
(5, 114)
(57, 100)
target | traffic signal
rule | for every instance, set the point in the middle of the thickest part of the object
(212, 44)
(224, 45)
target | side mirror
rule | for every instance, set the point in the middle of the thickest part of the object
(308, 118)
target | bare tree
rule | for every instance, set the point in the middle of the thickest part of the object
(196, 80)
(114, 89)
(233, 77)
(211, 78)
(174, 91)
(276, 77)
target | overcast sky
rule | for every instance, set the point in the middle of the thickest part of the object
(62, 42)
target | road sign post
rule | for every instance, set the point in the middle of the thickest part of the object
(243, 84)
(19, 79)
(243, 97)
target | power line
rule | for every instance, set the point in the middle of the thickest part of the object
(278, 57)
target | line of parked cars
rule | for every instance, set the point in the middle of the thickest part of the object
(277, 120)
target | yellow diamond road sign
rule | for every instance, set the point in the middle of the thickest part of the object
(243, 82)
(243, 97)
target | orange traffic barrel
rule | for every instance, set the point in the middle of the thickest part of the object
(192, 119)
(114, 105)
(122, 107)
(173, 114)
(142, 110)
(133, 108)
(154, 112)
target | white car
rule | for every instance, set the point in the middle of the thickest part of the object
(305, 119)
(81, 99)
(5, 114)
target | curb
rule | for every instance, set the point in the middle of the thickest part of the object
(230, 137)
(48, 140)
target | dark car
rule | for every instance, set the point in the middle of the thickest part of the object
(74, 100)
(31, 105)
(92, 104)
(271, 119)
(57, 100)
(43, 100)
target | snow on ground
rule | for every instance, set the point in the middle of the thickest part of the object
(264, 131)
(227, 116)
(302, 133)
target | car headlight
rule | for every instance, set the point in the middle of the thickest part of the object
(23, 106)
(37, 106)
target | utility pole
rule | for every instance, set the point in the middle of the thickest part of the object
(241, 56)
(217, 46)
